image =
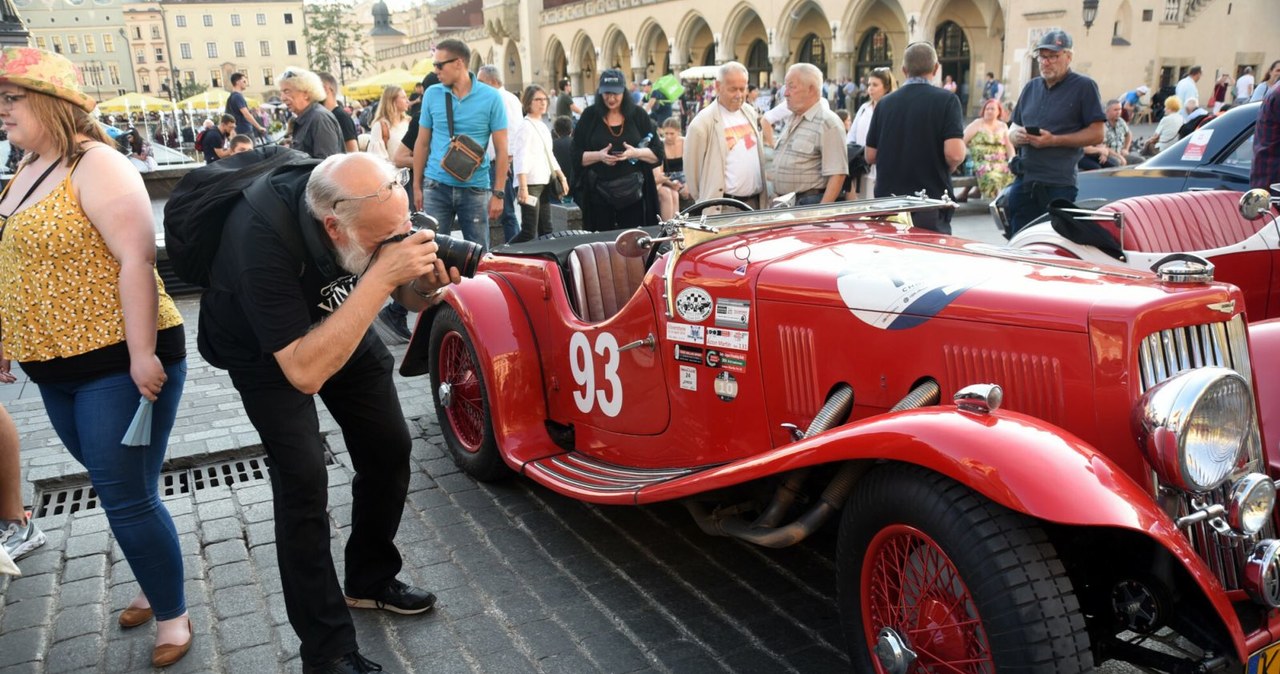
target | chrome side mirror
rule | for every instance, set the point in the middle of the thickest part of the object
(633, 243)
(1254, 203)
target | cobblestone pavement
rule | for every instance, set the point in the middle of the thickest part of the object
(528, 581)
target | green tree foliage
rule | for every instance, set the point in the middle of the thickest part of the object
(335, 39)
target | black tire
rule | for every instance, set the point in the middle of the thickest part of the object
(465, 421)
(1006, 573)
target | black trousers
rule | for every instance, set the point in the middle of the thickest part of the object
(363, 400)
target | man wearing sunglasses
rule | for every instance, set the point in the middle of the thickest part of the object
(478, 112)
(288, 330)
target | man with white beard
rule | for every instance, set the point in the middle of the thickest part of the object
(287, 331)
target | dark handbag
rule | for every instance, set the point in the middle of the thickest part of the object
(857, 159)
(464, 155)
(621, 192)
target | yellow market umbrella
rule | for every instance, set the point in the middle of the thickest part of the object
(371, 87)
(213, 99)
(134, 102)
(421, 68)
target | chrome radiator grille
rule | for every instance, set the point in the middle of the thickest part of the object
(1165, 354)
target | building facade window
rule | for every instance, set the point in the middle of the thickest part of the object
(184, 48)
(208, 21)
(159, 55)
(873, 52)
(41, 43)
(264, 46)
(144, 80)
(137, 32)
(239, 47)
(235, 19)
(73, 44)
(139, 55)
(288, 18)
(155, 32)
(292, 47)
(262, 19)
(211, 49)
(268, 77)
(215, 78)
(180, 21)
(90, 44)
(113, 71)
(108, 42)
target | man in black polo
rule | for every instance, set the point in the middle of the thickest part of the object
(916, 137)
(238, 107)
(345, 123)
(1058, 115)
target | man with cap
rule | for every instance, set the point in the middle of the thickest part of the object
(1132, 100)
(1058, 114)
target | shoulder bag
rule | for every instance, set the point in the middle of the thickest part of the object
(463, 155)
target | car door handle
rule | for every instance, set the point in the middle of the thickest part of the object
(648, 341)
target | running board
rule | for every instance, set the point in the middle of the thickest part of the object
(591, 479)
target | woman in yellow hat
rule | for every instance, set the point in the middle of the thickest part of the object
(83, 310)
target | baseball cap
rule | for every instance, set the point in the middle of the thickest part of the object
(645, 83)
(1144, 90)
(612, 82)
(1054, 40)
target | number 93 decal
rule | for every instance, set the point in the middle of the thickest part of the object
(582, 362)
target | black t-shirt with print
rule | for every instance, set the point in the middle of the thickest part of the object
(258, 302)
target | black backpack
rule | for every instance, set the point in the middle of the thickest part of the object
(200, 203)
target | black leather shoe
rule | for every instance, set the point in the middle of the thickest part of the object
(351, 663)
(397, 597)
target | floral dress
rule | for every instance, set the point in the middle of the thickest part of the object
(990, 162)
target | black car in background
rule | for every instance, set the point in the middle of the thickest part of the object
(1222, 164)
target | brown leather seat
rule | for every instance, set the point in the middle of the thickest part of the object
(1183, 222)
(602, 280)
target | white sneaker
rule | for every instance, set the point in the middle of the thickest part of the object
(19, 539)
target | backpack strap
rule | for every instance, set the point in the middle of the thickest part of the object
(296, 227)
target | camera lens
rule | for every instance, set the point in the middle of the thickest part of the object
(460, 253)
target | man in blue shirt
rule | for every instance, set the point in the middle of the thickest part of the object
(478, 112)
(1058, 115)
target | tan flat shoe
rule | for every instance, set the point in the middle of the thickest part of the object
(167, 654)
(133, 617)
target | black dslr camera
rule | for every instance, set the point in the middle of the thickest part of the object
(459, 253)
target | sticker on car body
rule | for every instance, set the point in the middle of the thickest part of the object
(688, 377)
(688, 354)
(723, 338)
(906, 289)
(726, 387)
(732, 314)
(683, 332)
(694, 304)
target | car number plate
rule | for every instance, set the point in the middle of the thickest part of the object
(1265, 661)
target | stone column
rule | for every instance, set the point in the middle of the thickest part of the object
(575, 80)
(780, 64)
(843, 65)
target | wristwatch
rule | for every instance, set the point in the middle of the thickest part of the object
(501, 194)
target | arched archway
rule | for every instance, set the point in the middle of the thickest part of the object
(476, 62)
(615, 50)
(954, 57)
(1123, 24)
(653, 52)
(874, 51)
(584, 57)
(694, 40)
(757, 63)
(512, 68)
(556, 65)
(813, 50)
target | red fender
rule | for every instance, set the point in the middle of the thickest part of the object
(508, 356)
(1018, 461)
(1264, 347)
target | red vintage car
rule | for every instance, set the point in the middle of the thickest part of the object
(1033, 462)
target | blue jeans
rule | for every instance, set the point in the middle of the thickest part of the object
(469, 205)
(510, 225)
(91, 417)
(1029, 200)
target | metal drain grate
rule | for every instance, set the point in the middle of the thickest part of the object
(79, 497)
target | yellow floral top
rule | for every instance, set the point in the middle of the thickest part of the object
(60, 284)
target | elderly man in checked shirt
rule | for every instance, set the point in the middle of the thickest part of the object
(810, 159)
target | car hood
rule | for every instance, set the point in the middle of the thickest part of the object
(896, 281)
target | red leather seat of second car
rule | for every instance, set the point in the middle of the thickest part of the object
(1184, 221)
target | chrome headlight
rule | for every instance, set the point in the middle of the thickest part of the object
(1252, 498)
(1195, 426)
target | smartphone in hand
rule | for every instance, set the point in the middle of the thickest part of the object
(1031, 130)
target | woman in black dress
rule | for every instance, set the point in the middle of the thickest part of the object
(615, 146)
(670, 177)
